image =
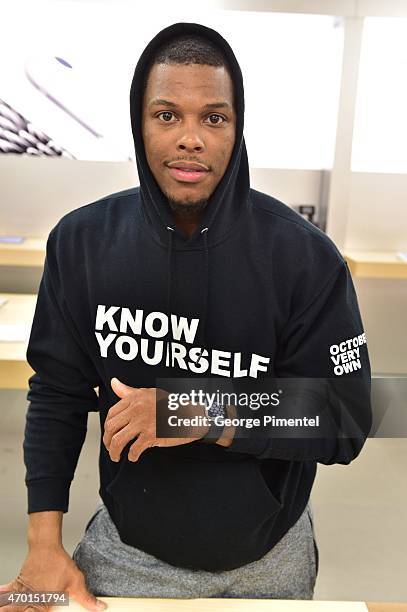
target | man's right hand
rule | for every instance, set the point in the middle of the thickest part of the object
(50, 568)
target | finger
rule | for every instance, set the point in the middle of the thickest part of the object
(138, 448)
(80, 592)
(13, 608)
(32, 607)
(120, 388)
(7, 587)
(19, 608)
(20, 585)
(6, 605)
(4, 588)
(120, 439)
(114, 425)
(118, 407)
(89, 601)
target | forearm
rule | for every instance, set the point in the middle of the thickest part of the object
(45, 528)
(53, 438)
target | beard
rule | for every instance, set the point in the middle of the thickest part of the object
(187, 210)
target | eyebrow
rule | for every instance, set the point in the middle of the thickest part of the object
(210, 106)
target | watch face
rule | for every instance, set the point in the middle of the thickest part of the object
(216, 410)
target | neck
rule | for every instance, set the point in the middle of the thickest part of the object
(187, 217)
(188, 226)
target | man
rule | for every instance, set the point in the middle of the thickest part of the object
(191, 276)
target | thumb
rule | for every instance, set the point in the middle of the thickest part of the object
(120, 388)
(87, 600)
(7, 587)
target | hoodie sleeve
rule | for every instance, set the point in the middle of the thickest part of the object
(322, 367)
(61, 392)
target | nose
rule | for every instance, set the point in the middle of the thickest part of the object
(190, 140)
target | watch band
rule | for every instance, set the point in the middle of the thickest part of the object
(215, 431)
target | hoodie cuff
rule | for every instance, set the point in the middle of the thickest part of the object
(249, 446)
(48, 494)
(241, 442)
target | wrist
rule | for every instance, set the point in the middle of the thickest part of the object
(45, 529)
(229, 430)
(36, 545)
(202, 429)
(218, 432)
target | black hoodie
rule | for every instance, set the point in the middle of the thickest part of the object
(262, 291)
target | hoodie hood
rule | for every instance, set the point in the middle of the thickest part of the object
(230, 198)
(229, 201)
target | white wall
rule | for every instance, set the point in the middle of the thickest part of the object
(377, 212)
(377, 221)
(36, 193)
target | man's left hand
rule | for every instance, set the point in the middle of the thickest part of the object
(134, 416)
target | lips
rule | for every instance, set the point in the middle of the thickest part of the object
(188, 172)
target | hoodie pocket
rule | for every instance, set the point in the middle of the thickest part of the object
(272, 499)
(213, 516)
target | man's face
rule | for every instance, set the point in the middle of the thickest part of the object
(188, 128)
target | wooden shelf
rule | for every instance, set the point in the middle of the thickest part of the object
(376, 264)
(128, 604)
(18, 310)
(30, 253)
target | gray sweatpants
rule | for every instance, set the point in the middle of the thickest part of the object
(112, 568)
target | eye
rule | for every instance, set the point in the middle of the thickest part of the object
(215, 117)
(165, 116)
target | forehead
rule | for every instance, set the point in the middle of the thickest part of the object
(183, 82)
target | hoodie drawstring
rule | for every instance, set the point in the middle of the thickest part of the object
(206, 286)
(206, 289)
